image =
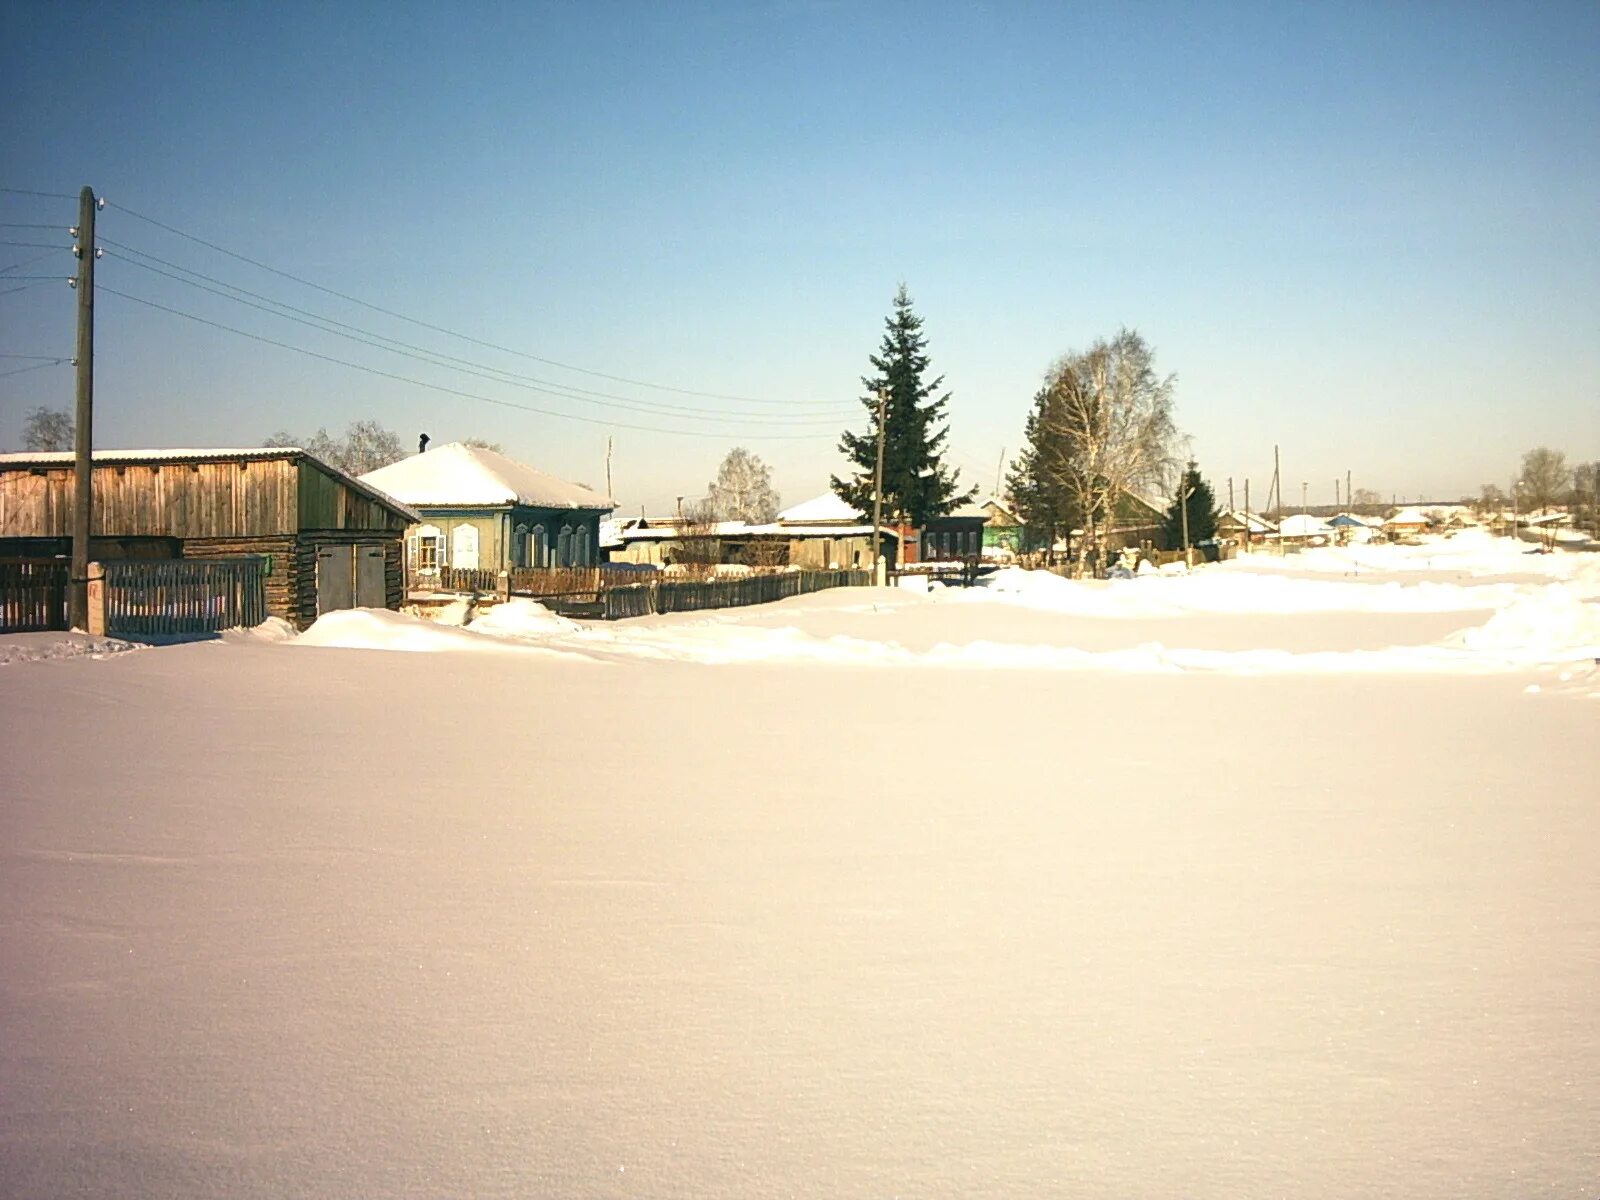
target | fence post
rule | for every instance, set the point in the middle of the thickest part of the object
(502, 588)
(96, 614)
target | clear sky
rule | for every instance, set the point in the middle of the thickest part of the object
(1368, 233)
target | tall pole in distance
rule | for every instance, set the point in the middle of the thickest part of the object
(1247, 514)
(83, 444)
(879, 574)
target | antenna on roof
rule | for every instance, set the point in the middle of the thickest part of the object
(422, 444)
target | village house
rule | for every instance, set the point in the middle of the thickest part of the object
(1240, 526)
(1407, 522)
(480, 510)
(325, 541)
(823, 533)
(1003, 531)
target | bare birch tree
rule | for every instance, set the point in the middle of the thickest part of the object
(1103, 427)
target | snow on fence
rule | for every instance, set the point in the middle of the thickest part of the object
(669, 595)
(33, 594)
(181, 596)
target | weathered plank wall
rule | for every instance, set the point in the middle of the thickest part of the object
(184, 500)
(327, 502)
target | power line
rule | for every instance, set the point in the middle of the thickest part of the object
(20, 225)
(38, 357)
(35, 245)
(550, 362)
(433, 358)
(34, 367)
(46, 195)
(28, 262)
(15, 290)
(437, 387)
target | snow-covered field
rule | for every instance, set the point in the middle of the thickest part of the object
(1277, 879)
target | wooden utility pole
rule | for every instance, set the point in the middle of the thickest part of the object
(879, 575)
(999, 470)
(609, 493)
(1349, 499)
(1247, 514)
(83, 443)
(1277, 487)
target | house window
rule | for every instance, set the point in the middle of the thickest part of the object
(427, 550)
(580, 547)
(519, 546)
(541, 547)
(464, 548)
(564, 547)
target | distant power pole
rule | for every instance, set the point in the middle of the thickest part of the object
(609, 493)
(1335, 493)
(877, 494)
(83, 444)
(998, 471)
(1349, 496)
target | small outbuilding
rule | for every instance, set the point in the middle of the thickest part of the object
(327, 540)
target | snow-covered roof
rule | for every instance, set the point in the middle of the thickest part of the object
(1253, 522)
(462, 476)
(66, 458)
(1409, 516)
(970, 510)
(1303, 525)
(827, 507)
(671, 531)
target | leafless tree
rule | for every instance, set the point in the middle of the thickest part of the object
(365, 446)
(697, 549)
(48, 429)
(1546, 478)
(742, 490)
(1105, 429)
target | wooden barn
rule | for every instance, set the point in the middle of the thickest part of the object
(327, 540)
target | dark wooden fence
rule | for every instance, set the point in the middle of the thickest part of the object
(182, 596)
(671, 595)
(33, 594)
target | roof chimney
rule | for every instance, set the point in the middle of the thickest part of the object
(422, 444)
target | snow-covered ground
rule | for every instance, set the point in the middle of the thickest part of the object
(1274, 879)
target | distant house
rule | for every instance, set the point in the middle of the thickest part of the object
(1138, 521)
(955, 537)
(1003, 531)
(1239, 525)
(1407, 522)
(326, 541)
(1305, 528)
(480, 510)
(821, 533)
(1347, 527)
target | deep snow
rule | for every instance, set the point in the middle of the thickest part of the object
(595, 915)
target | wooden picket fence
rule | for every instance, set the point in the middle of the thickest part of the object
(184, 596)
(672, 595)
(33, 594)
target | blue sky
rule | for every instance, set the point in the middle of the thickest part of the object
(1367, 233)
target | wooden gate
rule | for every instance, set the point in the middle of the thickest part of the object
(33, 594)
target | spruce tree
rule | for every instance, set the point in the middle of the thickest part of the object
(1202, 505)
(917, 486)
(1039, 479)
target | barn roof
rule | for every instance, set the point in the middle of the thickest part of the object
(462, 476)
(823, 508)
(66, 458)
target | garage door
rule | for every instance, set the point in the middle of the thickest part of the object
(351, 577)
(371, 590)
(335, 578)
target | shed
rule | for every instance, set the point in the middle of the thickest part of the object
(329, 541)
